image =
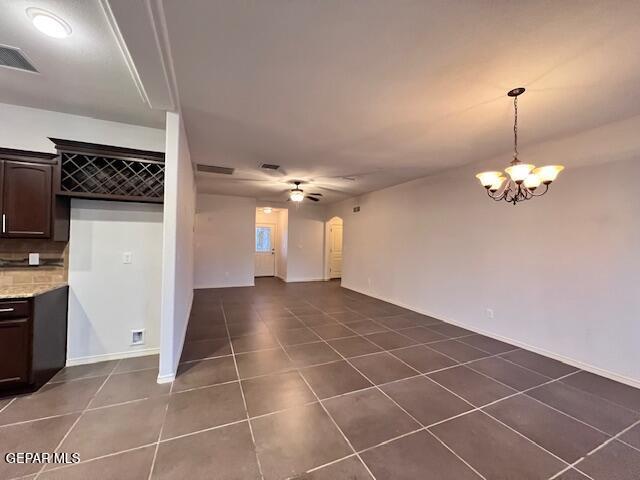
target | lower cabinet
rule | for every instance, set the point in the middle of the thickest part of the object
(14, 351)
(33, 339)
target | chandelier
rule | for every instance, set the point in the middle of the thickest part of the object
(523, 180)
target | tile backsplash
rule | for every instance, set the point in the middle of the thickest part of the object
(19, 249)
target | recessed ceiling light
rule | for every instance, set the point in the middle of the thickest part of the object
(48, 23)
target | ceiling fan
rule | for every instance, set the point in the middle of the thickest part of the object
(297, 194)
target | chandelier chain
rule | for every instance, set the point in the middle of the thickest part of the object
(515, 129)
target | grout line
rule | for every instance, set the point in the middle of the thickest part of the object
(164, 419)
(564, 413)
(604, 444)
(606, 400)
(244, 400)
(77, 420)
(82, 462)
(186, 362)
(516, 392)
(392, 400)
(319, 467)
(10, 402)
(425, 375)
(328, 414)
(89, 377)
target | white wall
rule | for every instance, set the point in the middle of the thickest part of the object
(224, 241)
(283, 245)
(305, 256)
(108, 298)
(560, 272)
(98, 328)
(177, 256)
(29, 128)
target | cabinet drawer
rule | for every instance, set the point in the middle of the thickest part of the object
(14, 309)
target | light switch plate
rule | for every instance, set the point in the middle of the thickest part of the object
(34, 259)
(127, 257)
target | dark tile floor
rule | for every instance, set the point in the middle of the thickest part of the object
(312, 381)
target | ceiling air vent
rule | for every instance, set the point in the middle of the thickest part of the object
(215, 169)
(14, 58)
(269, 166)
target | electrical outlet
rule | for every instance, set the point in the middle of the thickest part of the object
(34, 259)
(489, 312)
(137, 337)
(127, 257)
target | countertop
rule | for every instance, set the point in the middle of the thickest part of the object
(28, 291)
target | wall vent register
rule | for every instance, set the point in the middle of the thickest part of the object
(215, 169)
(13, 58)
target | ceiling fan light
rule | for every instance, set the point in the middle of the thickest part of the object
(532, 182)
(487, 179)
(548, 173)
(519, 171)
(296, 195)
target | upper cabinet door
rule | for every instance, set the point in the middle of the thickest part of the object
(26, 202)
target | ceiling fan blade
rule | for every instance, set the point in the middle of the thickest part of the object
(315, 194)
(313, 198)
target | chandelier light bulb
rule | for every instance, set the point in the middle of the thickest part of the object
(519, 171)
(548, 173)
(495, 186)
(532, 182)
(488, 178)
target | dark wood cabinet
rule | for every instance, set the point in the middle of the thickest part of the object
(28, 204)
(107, 172)
(14, 349)
(33, 339)
(26, 200)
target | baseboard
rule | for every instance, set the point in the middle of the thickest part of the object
(556, 356)
(304, 279)
(166, 378)
(226, 285)
(110, 356)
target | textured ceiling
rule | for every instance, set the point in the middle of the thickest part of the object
(386, 91)
(84, 74)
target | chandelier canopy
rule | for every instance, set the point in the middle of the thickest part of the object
(523, 180)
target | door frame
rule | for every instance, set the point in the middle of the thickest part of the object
(274, 246)
(327, 245)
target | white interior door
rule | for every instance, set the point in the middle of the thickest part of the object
(335, 252)
(265, 250)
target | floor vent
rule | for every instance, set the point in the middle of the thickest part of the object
(14, 58)
(215, 169)
(269, 166)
